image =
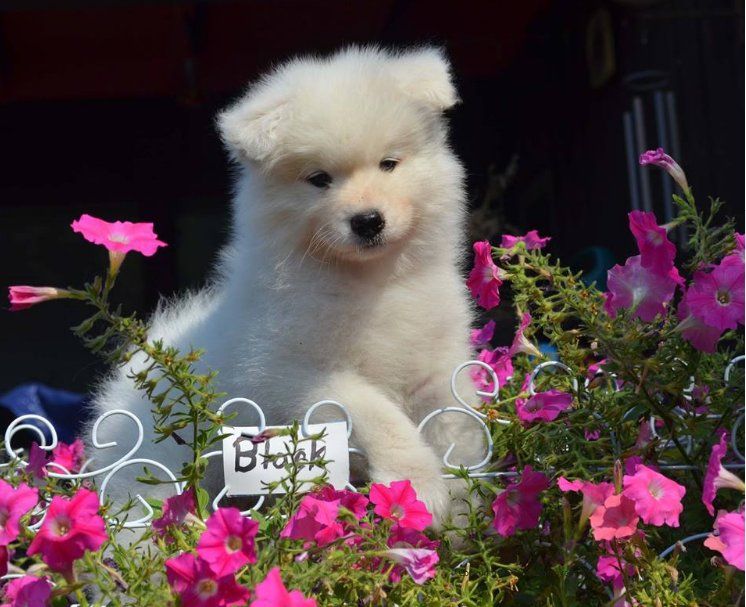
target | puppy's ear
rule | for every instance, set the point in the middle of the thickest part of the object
(250, 127)
(425, 74)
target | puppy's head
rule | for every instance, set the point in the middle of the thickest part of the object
(350, 150)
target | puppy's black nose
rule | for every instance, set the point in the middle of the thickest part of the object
(367, 224)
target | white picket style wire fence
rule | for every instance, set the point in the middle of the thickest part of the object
(42, 428)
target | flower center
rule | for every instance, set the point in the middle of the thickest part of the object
(723, 297)
(61, 525)
(655, 490)
(397, 511)
(119, 238)
(533, 405)
(207, 588)
(4, 516)
(233, 543)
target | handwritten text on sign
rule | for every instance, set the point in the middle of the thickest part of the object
(247, 468)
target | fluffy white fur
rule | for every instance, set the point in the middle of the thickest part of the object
(299, 310)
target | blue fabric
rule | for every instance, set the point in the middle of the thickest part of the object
(66, 410)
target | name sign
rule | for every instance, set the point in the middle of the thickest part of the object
(247, 467)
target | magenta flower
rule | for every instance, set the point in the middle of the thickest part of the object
(419, 562)
(544, 406)
(702, 337)
(594, 494)
(608, 570)
(485, 277)
(3, 560)
(24, 296)
(656, 251)
(718, 477)
(502, 365)
(532, 240)
(660, 159)
(518, 507)
(70, 528)
(197, 585)
(120, 236)
(69, 457)
(728, 538)
(272, 593)
(28, 591)
(657, 498)
(402, 537)
(592, 435)
(717, 298)
(315, 520)
(175, 511)
(14, 503)
(482, 337)
(616, 518)
(520, 341)
(353, 501)
(228, 542)
(37, 461)
(398, 502)
(640, 289)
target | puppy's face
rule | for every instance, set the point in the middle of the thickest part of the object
(351, 149)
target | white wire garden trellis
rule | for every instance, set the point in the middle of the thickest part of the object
(44, 430)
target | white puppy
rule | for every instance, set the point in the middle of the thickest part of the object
(341, 278)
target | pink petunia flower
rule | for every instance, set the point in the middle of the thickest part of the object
(656, 251)
(120, 236)
(518, 507)
(728, 538)
(500, 362)
(398, 502)
(24, 296)
(532, 240)
(69, 457)
(419, 562)
(717, 298)
(703, 337)
(272, 593)
(657, 498)
(608, 570)
(353, 501)
(482, 337)
(594, 494)
(402, 537)
(616, 518)
(660, 159)
(718, 477)
(228, 542)
(520, 341)
(70, 528)
(28, 591)
(198, 586)
(37, 461)
(14, 503)
(544, 406)
(640, 289)
(175, 511)
(315, 520)
(485, 277)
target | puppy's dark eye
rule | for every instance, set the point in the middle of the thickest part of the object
(388, 164)
(320, 179)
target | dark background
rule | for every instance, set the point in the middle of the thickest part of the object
(107, 107)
